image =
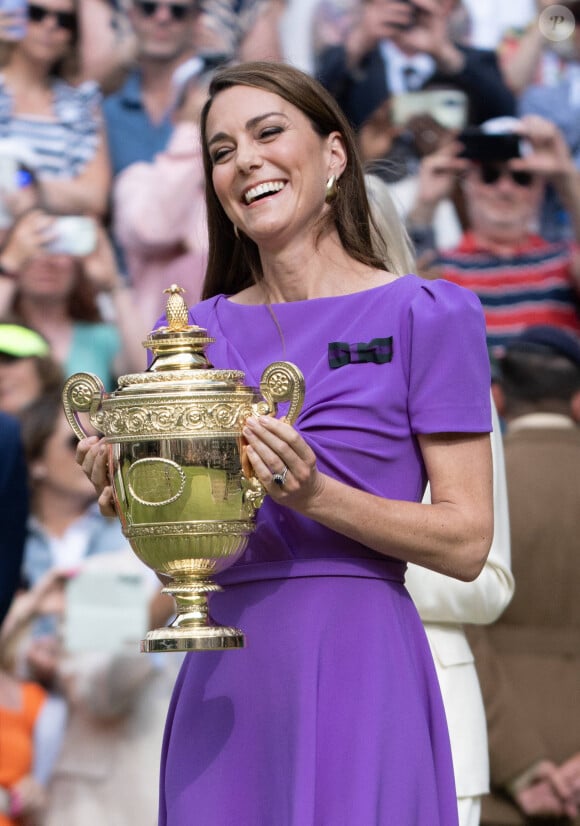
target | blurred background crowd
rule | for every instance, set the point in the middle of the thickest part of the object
(467, 114)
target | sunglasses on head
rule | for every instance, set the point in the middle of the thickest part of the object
(491, 173)
(148, 8)
(64, 19)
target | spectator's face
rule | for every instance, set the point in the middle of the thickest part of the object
(50, 29)
(165, 30)
(48, 277)
(58, 470)
(20, 383)
(501, 206)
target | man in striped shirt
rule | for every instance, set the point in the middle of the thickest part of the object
(521, 279)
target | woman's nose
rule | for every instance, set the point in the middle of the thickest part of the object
(247, 156)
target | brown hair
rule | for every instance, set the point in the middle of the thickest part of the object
(234, 264)
(81, 301)
(68, 67)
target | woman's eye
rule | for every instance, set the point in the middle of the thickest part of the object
(220, 154)
(270, 131)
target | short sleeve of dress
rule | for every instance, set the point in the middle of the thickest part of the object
(448, 362)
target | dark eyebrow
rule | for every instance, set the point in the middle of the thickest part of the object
(250, 124)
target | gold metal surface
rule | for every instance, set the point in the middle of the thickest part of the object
(174, 435)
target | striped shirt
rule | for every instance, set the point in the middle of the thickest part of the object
(533, 286)
(62, 146)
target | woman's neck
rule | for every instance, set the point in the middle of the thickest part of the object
(21, 74)
(305, 270)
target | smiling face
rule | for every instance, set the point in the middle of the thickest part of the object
(269, 165)
(50, 31)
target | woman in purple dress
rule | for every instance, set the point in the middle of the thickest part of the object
(332, 714)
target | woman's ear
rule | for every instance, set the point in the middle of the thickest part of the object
(337, 154)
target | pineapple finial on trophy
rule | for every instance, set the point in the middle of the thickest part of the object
(176, 310)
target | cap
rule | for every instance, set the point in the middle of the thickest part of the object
(544, 338)
(22, 342)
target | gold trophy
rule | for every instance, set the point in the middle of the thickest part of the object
(174, 436)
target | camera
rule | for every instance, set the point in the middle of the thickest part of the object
(483, 146)
(74, 235)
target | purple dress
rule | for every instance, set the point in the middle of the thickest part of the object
(332, 715)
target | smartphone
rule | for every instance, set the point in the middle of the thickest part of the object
(446, 106)
(18, 9)
(483, 146)
(74, 235)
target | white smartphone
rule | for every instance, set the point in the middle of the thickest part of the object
(74, 235)
(446, 106)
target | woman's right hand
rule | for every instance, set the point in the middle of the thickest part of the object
(28, 237)
(92, 457)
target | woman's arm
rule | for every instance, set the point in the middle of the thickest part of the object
(86, 193)
(452, 535)
(440, 599)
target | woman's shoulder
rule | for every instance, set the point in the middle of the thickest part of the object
(428, 293)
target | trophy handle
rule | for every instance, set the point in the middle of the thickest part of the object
(282, 381)
(78, 396)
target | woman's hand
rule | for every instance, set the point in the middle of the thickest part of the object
(27, 238)
(92, 457)
(274, 446)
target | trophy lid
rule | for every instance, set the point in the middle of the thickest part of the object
(179, 358)
(179, 345)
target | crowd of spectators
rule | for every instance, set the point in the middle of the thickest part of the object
(468, 112)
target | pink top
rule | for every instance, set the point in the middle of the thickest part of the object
(160, 221)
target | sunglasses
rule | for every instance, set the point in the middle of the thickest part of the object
(64, 19)
(149, 8)
(491, 173)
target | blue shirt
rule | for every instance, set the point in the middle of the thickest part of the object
(131, 133)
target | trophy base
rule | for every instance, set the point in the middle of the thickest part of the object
(193, 629)
(211, 638)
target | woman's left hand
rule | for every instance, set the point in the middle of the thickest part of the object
(277, 451)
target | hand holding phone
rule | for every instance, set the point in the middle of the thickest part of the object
(13, 19)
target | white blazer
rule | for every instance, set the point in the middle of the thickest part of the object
(444, 605)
